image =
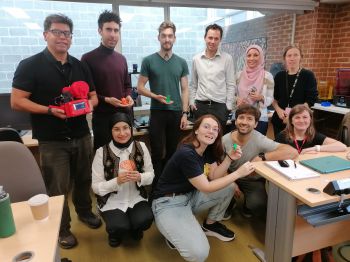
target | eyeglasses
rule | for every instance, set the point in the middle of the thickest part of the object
(58, 33)
(214, 129)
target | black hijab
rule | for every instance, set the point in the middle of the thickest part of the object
(121, 117)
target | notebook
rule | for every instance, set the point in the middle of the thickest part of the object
(292, 172)
(327, 164)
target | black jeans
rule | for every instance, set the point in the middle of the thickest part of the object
(277, 123)
(164, 134)
(64, 163)
(119, 223)
(219, 110)
(255, 196)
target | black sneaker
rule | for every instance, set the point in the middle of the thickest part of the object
(229, 210)
(91, 220)
(65, 260)
(218, 230)
(137, 235)
(246, 212)
(67, 240)
(114, 241)
(169, 244)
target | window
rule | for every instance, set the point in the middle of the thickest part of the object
(139, 35)
(191, 24)
(21, 28)
(139, 32)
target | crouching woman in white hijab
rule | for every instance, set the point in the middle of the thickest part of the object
(119, 171)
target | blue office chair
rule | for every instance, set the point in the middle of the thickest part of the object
(20, 174)
(9, 134)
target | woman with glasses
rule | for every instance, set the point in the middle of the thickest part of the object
(194, 180)
(119, 171)
(295, 85)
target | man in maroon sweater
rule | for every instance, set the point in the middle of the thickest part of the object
(109, 71)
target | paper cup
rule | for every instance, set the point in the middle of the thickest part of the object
(39, 205)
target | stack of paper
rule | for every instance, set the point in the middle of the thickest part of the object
(292, 172)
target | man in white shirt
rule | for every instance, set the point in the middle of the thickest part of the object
(213, 78)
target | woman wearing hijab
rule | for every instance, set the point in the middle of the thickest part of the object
(119, 171)
(294, 86)
(255, 85)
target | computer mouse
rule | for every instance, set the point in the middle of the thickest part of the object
(283, 163)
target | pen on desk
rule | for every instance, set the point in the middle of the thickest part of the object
(295, 165)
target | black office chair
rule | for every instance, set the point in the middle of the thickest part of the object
(9, 134)
(344, 130)
(20, 174)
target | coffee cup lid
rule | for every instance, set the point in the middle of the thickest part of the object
(38, 199)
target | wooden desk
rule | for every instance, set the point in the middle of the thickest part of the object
(29, 141)
(287, 234)
(39, 237)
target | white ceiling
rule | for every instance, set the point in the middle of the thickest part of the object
(297, 6)
(277, 5)
(335, 1)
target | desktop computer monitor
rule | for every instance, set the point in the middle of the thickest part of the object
(11, 118)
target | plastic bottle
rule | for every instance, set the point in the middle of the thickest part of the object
(7, 225)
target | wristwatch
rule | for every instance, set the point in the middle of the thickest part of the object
(262, 156)
(185, 113)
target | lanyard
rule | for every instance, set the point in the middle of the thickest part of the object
(297, 145)
(293, 87)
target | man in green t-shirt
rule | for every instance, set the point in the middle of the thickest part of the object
(169, 107)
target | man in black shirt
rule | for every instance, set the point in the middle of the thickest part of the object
(64, 143)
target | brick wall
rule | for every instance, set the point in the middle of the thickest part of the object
(314, 35)
(339, 56)
(279, 35)
(323, 34)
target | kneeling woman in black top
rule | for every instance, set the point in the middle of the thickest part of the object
(119, 171)
(194, 179)
(300, 133)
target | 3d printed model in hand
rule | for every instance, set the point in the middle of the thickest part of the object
(73, 100)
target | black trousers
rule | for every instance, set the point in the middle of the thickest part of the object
(277, 124)
(164, 134)
(219, 110)
(100, 126)
(66, 165)
(119, 223)
(255, 196)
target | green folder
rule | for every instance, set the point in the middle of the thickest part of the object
(327, 164)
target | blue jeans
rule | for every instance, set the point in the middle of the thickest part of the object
(175, 219)
(262, 127)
